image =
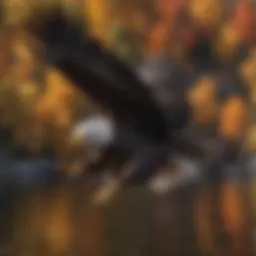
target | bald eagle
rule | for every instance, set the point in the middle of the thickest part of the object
(145, 127)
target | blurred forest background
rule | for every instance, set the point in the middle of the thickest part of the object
(39, 107)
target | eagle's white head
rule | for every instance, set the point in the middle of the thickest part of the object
(95, 132)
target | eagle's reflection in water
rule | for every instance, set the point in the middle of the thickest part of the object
(60, 219)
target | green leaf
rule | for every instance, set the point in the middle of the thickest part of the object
(126, 44)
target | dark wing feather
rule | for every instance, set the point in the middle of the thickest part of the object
(101, 75)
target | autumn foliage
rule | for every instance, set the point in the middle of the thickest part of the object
(159, 26)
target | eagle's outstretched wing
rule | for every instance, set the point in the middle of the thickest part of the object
(101, 75)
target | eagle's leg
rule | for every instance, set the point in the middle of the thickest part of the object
(144, 164)
(139, 168)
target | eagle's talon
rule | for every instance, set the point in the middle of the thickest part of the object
(106, 192)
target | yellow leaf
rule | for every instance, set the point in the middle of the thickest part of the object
(100, 18)
(233, 118)
(227, 42)
(58, 86)
(28, 91)
(202, 99)
(250, 140)
(206, 13)
(247, 69)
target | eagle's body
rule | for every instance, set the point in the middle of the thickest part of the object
(143, 121)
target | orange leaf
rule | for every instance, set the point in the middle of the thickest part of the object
(168, 9)
(158, 37)
(242, 19)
